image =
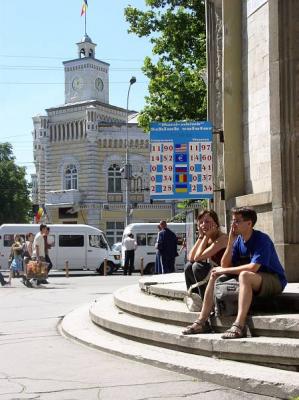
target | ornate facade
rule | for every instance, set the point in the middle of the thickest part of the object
(80, 150)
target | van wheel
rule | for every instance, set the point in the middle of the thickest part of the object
(149, 269)
(111, 268)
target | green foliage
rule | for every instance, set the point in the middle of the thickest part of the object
(15, 205)
(177, 31)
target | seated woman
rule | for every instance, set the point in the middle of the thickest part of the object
(211, 244)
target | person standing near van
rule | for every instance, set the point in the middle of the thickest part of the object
(130, 247)
(47, 258)
(167, 247)
(158, 268)
(39, 253)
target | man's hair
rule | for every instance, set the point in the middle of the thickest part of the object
(42, 226)
(211, 213)
(248, 214)
(163, 223)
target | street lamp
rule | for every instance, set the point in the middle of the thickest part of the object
(128, 166)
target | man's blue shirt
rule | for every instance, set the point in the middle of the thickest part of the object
(259, 249)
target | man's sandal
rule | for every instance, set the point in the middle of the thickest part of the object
(235, 332)
(198, 326)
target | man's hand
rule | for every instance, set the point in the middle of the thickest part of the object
(232, 235)
(217, 271)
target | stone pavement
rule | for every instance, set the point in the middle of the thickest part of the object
(36, 362)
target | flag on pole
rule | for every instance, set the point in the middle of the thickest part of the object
(84, 7)
(39, 214)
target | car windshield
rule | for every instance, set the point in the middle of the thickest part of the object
(116, 246)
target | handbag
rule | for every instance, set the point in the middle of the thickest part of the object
(192, 300)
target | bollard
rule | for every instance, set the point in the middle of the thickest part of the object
(105, 266)
(141, 266)
(66, 267)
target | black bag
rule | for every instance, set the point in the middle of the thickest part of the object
(226, 295)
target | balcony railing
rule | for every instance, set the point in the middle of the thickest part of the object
(63, 197)
(114, 197)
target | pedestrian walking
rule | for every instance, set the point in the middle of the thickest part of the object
(16, 266)
(27, 255)
(130, 247)
(38, 253)
(3, 281)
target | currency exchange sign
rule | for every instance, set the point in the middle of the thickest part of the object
(181, 160)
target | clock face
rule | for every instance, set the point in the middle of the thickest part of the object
(77, 83)
(99, 84)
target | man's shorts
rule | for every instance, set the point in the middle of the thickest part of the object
(270, 286)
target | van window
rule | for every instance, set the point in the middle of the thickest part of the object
(51, 240)
(8, 239)
(141, 239)
(97, 241)
(180, 237)
(71, 240)
(151, 239)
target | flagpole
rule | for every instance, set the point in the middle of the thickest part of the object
(85, 21)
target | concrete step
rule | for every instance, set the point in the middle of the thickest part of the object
(246, 377)
(132, 299)
(173, 286)
(277, 352)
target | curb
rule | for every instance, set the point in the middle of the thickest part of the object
(237, 375)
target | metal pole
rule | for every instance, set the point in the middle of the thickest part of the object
(128, 168)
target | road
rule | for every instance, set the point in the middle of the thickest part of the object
(36, 362)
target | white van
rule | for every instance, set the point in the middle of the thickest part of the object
(145, 235)
(84, 246)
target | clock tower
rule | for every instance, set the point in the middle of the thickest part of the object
(86, 78)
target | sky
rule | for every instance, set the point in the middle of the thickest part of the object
(36, 36)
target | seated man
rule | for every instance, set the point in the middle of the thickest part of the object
(262, 275)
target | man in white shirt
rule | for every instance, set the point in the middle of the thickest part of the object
(39, 253)
(130, 247)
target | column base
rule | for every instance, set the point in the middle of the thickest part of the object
(289, 257)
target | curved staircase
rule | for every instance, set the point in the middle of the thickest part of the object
(145, 322)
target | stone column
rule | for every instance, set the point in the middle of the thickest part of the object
(284, 120)
(214, 86)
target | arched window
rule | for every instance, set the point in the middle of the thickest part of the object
(71, 177)
(136, 184)
(114, 179)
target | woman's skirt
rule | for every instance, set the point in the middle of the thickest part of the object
(17, 264)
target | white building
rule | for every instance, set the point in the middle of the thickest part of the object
(80, 148)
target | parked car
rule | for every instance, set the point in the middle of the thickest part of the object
(116, 247)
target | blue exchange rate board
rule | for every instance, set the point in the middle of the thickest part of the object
(181, 160)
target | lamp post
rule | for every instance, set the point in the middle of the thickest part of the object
(128, 166)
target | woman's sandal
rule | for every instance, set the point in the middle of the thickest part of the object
(235, 332)
(197, 327)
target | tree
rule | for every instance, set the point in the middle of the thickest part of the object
(15, 205)
(177, 31)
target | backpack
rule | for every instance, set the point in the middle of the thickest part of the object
(226, 297)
